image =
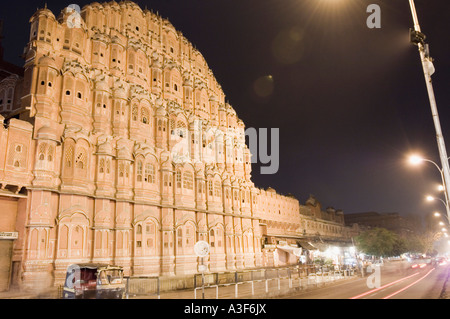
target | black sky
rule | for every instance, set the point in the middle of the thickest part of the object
(350, 101)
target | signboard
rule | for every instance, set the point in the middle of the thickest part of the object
(201, 248)
(9, 235)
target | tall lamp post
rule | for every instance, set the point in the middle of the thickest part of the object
(418, 38)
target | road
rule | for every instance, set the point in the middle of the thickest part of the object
(396, 280)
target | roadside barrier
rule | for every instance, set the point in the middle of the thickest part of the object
(304, 277)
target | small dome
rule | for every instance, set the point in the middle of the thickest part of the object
(47, 133)
(47, 61)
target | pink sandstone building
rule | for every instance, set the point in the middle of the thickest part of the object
(118, 147)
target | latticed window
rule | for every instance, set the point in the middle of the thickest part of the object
(134, 113)
(42, 149)
(149, 173)
(181, 128)
(212, 238)
(50, 153)
(180, 237)
(139, 171)
(189, 234)
(121, 169)
(217, 189)
(81, 159)
(188, 180)
(144, 116)
(178, 179)
(210, 188)
(69, 156)
(102, 166)
(172, 127)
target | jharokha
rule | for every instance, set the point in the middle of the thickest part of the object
(111, 153)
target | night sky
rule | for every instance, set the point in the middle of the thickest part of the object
(350, 101)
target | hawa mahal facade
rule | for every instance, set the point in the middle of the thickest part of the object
(119, 148)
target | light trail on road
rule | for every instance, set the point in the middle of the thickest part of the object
(382, 287)
(412, 284)
(392, 283)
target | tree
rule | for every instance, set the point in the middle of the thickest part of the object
(380, 242)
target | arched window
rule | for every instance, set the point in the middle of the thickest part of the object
(50, 153)
(179, 239)
(80, 161)
(181, 128)
(150, 173)
(139, 171)
(42, 151)
(217, 189)
(178, 177)
(144, 116)
(159, 125)
(212, 238)
(188, 180)
(101, 168)
(134, 113)
(69, 156)
(210, 188)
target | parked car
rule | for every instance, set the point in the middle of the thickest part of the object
(94, 281)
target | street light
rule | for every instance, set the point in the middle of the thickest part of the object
(431, 198)
(417, 159)
(418, 38)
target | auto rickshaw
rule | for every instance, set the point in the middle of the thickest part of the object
(94, 281)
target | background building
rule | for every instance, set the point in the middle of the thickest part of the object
(392, 221)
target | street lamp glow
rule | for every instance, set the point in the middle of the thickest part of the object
(444, 229)
(415, 159)
(441, 223)
(430, 198)
(437, 214)
(441, 188)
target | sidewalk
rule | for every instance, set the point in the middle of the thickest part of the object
(246, 291)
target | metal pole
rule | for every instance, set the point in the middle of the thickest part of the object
(426, 63)
(203, 281)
